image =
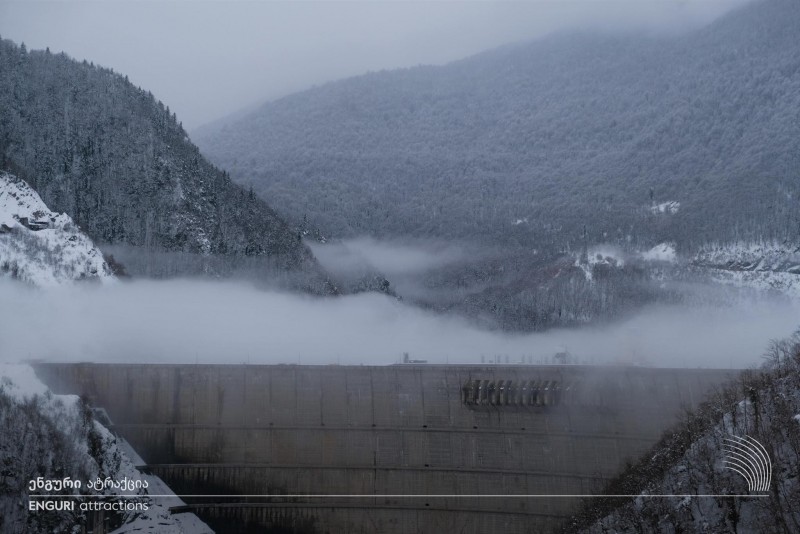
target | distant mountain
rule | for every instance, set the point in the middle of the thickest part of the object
(120, 165)
(636, 139)
(41, 247)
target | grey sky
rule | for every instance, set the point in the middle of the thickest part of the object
(208, 59)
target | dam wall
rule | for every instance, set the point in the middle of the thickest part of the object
(400, 448)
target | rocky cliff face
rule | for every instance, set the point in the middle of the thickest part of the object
(42, 247)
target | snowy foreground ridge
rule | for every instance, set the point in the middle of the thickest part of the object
(73, 443)
(39, 246)
(689, 463)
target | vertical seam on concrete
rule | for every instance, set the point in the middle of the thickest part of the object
(375, 445)
(244, 395)
(176, 385)
(321, 405)
(194, 394)
(421, 382)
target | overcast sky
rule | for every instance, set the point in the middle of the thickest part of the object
(206, 60)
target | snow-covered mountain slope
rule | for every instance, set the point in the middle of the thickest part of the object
(719, 273)
(42, 247)
(466, 149)
(690, 463)
(769, 266)
(768, 256)
(56, 436)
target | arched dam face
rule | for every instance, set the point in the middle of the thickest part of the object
(415, 443)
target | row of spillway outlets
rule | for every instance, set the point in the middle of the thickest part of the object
(514, 392)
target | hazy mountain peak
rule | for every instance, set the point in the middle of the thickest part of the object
(572, 131)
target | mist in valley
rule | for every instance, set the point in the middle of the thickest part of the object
(405, 262)
(605, 183)
(190, 321)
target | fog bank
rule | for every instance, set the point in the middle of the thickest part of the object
(226, 322)
(389, 257)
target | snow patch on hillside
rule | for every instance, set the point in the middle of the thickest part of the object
(39, 246)
(664, 252)
(749, 256)
(769, 266)
(670, 207)
(604, 254)
(768, 281)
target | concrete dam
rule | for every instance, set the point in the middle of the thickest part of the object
(395, 449)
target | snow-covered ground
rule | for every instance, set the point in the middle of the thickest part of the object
(663, 252)
(669, 207)
(769, 266)
(751, 256)
(19, 383)
(604, 254)
(781, 282)
(42, 247)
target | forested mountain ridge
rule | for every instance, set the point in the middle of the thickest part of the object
(119, 163)
(531, 143)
